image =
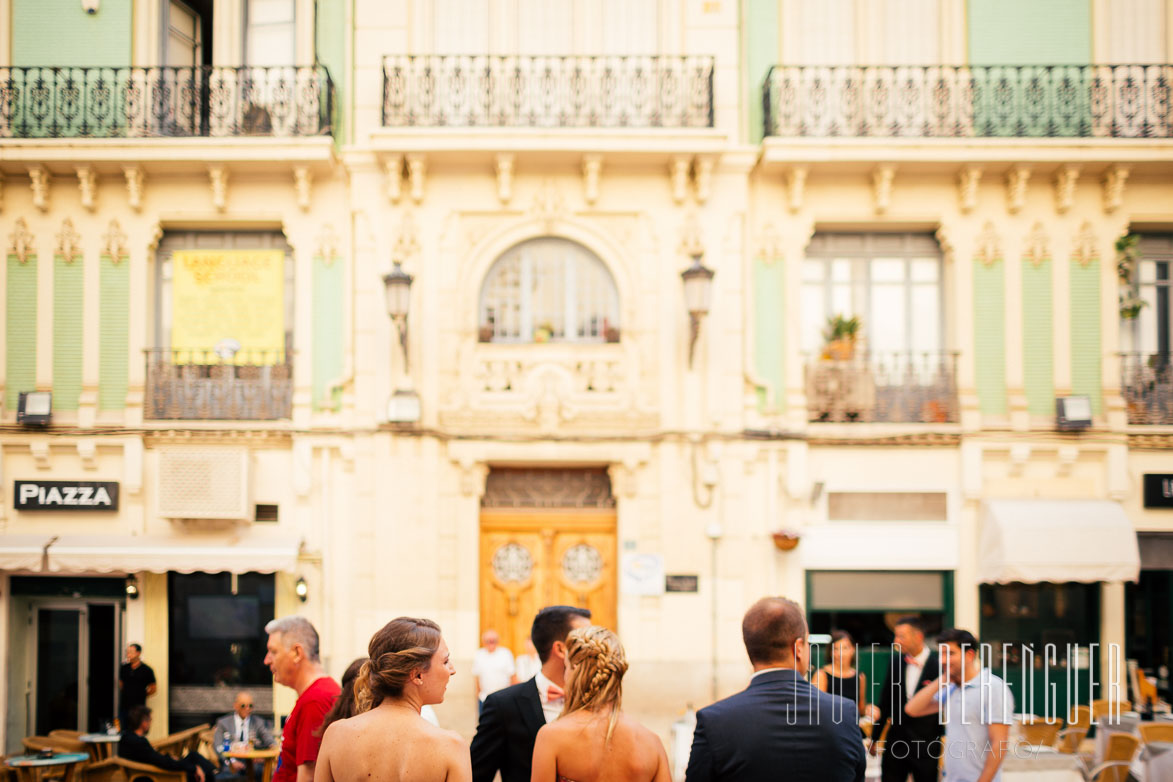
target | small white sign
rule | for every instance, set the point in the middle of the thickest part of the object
(641, 574)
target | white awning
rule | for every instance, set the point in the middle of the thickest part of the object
(1056, 541)
(22, 552)
(246, 552)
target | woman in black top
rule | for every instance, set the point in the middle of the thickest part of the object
(839, 676)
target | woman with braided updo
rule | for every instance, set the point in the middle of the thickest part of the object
(387, 740)
(593, 740)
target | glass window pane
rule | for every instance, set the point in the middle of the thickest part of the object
(841, 270)
(814, 317)
(814, 271)
(885, 327)
(887, 270)
(269, 11)
(876, 591)
(926, 318)
(925, 269)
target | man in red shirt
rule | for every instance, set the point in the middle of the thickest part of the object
(293, 658)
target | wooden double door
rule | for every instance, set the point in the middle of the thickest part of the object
(535, 558)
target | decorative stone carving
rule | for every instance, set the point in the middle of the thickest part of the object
(770, 243)
(1065, 179)
(511, 487)
(393, 169)
(328, 244)
(988, 248)
(114, 242)
(303, 178)
(21, 241)
(512, 564)
(678, 171)
(1086, 246)
(87, 452)
(39, 181)
(1114, 181)
(582, 564)
(1016, 180)
(882, 178)
(703, 175)
(592, 167)
(68, 241)
(1035, 250)
(796, 187)
(40, 453)
(406, 239)
(218, 176)
(416, 170)
(691, 242)
(548, 204)
(134, 186)
(504, 178)
(87, 183)
(967, 188)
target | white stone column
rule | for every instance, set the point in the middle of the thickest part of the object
(300, 234)
(797, 235)
(91, 261)
(958, 235)
(1113, 670)
(1060, 233)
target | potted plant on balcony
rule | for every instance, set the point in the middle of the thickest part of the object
(543, 332)
(840, 337)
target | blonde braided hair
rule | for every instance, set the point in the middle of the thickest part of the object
(595, 679)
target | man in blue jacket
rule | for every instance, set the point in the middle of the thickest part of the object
(781, 726)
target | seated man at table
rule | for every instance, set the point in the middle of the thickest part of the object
(134, 746)
(240, 727)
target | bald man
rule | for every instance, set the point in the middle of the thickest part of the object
(240, 727)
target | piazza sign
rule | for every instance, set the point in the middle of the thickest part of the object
(65, 495)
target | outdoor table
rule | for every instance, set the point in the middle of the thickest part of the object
(101, 745)
(1024, 763)
(33, 768)
(251, 756)
(1125, 723)
(1154, 762)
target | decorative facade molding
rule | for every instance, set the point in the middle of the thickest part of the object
(796, 187)
(21, 241)
(967, 188)
(87, 185)
(328, 244)
(1036, 250)
(68, 241)
(406, 239)
(882, 178)
(1065, 179)
(770, 243)
(1086, 247)
(678, 172)
(39, 182)
(1016, 180)
(592, 168)
(393, 170)
(1114, 180)
(504, 167)
(691, 242)
(416, 171)
(303, 180)
(218, 176)
(547, 488)
(988, 248)
(548, 204)
(703, 178)
(134, 186)
(114, 242)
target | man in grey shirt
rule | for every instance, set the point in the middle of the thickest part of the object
(976, 705)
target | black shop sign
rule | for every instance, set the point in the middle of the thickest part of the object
(1158, 490)
(65, 495)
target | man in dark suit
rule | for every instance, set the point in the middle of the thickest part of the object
(781, 726)
(913, 745)
(134, 746)
(511, 718)
(240, 727)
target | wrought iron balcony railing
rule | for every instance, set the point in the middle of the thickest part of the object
(883, 387)
(97, 102)
(1126, 101)
(1147, 386)
(203, 385)
(548, 92)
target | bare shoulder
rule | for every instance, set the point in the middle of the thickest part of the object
(638, 731)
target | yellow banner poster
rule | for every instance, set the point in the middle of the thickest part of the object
(228, 305)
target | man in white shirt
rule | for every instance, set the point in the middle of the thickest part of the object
(492, 667)
(240, 727)
(977, 707)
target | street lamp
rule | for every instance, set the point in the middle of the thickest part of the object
(404, 405)
(698, 293)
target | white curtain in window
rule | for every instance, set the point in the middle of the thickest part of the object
(819, 32)
(1134, 32)
(546, 27)
(911, 33)
(271, 34)
(460, 26)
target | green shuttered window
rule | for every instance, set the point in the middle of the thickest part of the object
(329, 336)
(20, 329)
(114, 334)
(67, 332)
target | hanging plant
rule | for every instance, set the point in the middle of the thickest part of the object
(1127, 254)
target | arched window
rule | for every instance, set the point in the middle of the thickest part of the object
(549, 290)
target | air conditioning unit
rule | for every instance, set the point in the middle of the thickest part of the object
(204, 483)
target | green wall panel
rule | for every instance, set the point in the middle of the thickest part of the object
(761, 51)
(1086, 358)
(1038, 342)
(20, 329)
(1034, 32)
(114, 336)
(769, 289)
(329, 337)
(68, 325)
(59, 32)
(330, 44)
(989, 309)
